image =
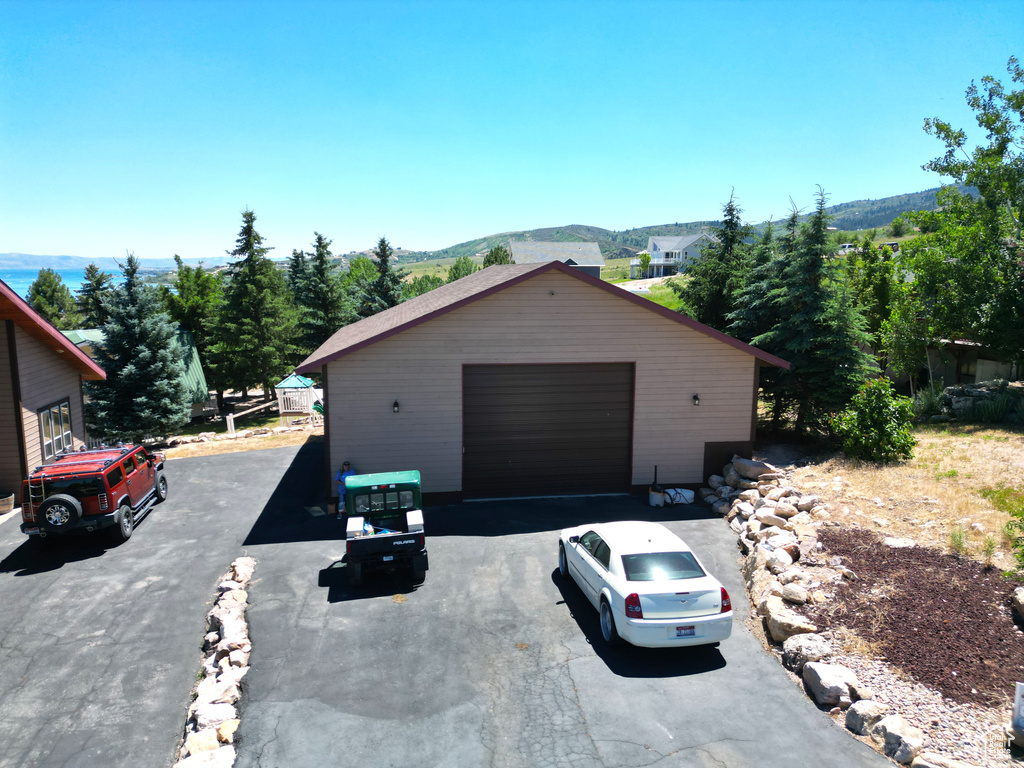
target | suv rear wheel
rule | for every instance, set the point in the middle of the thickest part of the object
(125, 524)
(59, 513)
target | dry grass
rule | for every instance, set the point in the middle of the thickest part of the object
(942, 488)
(238, 445)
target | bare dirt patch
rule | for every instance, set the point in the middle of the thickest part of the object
(240, 444)
(941, 489)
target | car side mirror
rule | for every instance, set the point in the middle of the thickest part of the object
(574, 539)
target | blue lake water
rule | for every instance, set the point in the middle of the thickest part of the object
(20, 279)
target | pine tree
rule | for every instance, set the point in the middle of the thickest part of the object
(324, 305)
(144, 393)
(96, 289)
(53, 300)
(257, 327)
(298, 276)
(194, 305)
(386, 290)
(719, 273)
(499, 254)
(818, 328)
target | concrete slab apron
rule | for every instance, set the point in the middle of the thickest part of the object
(496, 661)
(100, 644)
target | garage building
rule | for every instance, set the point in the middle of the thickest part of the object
(535, 379)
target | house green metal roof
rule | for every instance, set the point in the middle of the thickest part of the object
(295, 381)
(194, 378)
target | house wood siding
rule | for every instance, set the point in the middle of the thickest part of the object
(10, 461)
(46, 379)
(551, 318)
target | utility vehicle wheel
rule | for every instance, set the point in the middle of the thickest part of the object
(608, 632)
(161, 486)
(125, 524)
(59, 513)
(563, 566)
(355, 574)
(418, 576)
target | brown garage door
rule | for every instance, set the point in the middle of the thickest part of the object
(532, 430)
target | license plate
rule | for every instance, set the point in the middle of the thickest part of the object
(685, 631)
(388, 557)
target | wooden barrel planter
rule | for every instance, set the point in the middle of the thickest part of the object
(6, 502)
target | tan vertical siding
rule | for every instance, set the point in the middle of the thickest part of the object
(10, 460)
(552, 318)
(46, 379)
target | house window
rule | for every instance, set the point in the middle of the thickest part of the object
(55, 429)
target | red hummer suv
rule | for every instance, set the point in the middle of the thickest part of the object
(91, 490)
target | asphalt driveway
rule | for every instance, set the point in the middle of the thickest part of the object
(99, 644)
(493, 661)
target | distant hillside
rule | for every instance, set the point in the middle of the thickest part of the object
(30, 261)
(859, 214)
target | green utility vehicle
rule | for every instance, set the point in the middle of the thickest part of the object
(384, 525)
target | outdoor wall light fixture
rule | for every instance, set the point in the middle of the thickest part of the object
(696, 399)
(394, 406)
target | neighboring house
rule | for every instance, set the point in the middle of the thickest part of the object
(195, 380)
(586, 257)
(41, 374)
(535, 379)
(671, 254)
(965, 362)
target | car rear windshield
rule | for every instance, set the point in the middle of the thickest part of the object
(661, 566)
(79, 487)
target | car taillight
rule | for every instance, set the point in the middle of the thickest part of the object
(633, 609)
(726, 602)
(103, 500)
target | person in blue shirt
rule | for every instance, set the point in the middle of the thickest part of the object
(345, 471)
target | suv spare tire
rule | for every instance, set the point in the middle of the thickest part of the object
(59, 513)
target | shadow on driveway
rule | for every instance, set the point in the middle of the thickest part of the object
(627, 660)
(294, 511)
(517, 516)
(32, 557)
(335, 579)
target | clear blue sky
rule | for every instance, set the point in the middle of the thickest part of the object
(150, 126)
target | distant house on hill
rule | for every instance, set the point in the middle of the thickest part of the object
(89, 339)
(586, 257)
(41, 405)
(671, 253)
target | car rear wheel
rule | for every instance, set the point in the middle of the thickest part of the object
(418, 576)
(59, 513)
(608, 631)
(125, 524)
(161, 486)
(563, 566)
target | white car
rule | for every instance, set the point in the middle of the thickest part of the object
(649, 587)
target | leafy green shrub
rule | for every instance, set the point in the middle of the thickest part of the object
(876, 426)
(1010, 500)
(928, 402)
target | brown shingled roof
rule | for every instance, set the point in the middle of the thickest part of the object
(472, 288)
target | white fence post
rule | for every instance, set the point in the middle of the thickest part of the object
(231, 424)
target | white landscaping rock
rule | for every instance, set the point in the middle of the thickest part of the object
(863, 715)
(201, 741)
(807, 503)
(897, 542)
(794, 593)
(749, 496)
(212, 715)
(768, 518)
(828, 682)
(794, 574)
(932, 760)
(1018, 601)
(716, 482)
(779, 560)
(243, 568)
(751, 470)
(798, 650)
(780, 539)
(900, 740)
(783, 622)
(224, 757)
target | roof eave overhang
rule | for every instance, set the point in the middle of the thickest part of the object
(42, 331)
(315, 363)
